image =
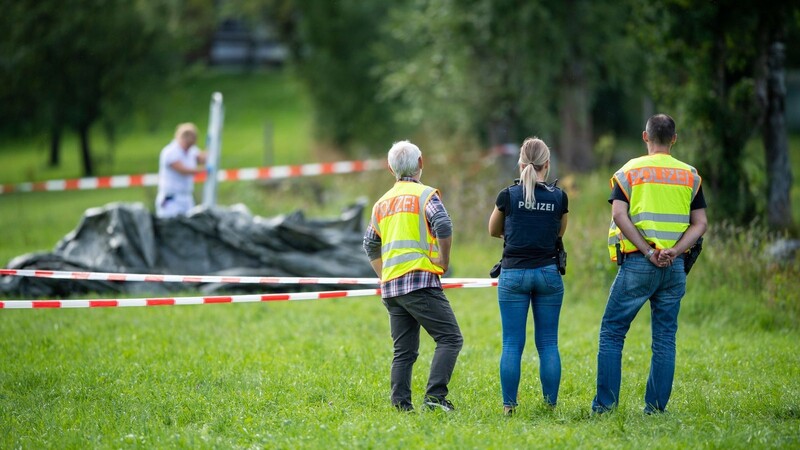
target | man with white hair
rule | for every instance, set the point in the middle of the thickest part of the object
(408, 244)
(177, 166)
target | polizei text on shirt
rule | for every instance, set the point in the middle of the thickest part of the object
(538, 206)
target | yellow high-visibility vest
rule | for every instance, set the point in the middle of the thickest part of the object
(406, 240)
(660, 190)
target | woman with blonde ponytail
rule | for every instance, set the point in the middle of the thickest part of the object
(531, 217)
(534, 166)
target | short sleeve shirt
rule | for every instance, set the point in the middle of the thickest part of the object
(530, 233)
(169, 180)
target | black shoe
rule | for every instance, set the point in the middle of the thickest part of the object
(436, 403)
(404, 407)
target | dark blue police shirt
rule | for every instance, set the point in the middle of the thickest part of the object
(530, 234)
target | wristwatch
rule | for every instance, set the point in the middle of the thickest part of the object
(650, 253)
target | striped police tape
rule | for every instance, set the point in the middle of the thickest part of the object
(160, 278)
(178, 301)
(151, 179)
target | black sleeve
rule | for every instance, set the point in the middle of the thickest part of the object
(617, 194)
(502, 200)
(699, 201)
(564, 202)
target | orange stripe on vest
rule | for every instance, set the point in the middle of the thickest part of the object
(395, 205)
(664, 175)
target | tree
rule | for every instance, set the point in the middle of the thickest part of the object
(510, 69)
(331, 44)
(79, 62)
(771, 93)
(711, 61)
(497, 69)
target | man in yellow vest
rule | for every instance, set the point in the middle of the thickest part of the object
(408, 244)
(658, 213)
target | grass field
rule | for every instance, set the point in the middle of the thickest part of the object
(315, 374)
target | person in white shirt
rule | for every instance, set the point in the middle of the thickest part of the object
(177, 166)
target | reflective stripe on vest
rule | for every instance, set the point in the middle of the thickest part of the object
(399, 219)
(660, 190)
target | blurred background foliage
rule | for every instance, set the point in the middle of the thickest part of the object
(470, 75)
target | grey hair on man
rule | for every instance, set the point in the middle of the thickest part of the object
(404, 159)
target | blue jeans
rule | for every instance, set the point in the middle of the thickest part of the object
(518, 289)
(637, 281)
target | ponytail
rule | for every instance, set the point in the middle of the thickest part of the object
(527, 178)
(532, 157)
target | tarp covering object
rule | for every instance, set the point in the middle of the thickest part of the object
(223, 241)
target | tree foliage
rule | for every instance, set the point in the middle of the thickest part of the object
(491, 66)
(509, 69)
(68, 64)
(495, 70)
(708, 61)
(331, 45)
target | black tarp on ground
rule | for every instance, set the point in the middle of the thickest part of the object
(127, 238)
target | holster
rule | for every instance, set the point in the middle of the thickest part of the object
(691, 256)
(495, 270)
(561, 256)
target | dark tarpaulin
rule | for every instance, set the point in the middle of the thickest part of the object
(225, 241)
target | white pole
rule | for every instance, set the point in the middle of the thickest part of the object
(214, 148)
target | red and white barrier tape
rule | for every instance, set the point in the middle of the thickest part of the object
(151, 179)
(178, 301)
(105, 276)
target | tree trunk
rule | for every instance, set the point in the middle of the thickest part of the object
(575, 142)
(505, 149)
(731, 129)
(55, 147)
(732, 197)
(88, 169)
(776, 146)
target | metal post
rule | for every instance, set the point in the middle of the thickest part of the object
(214, 148)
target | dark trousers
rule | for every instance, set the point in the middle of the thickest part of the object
(430, 309)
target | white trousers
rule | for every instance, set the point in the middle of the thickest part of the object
(173, 204)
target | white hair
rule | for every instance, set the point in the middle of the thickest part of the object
(404, 159)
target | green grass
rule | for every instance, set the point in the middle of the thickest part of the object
(315, 374)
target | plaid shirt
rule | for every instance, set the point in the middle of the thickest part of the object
(415, 280)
